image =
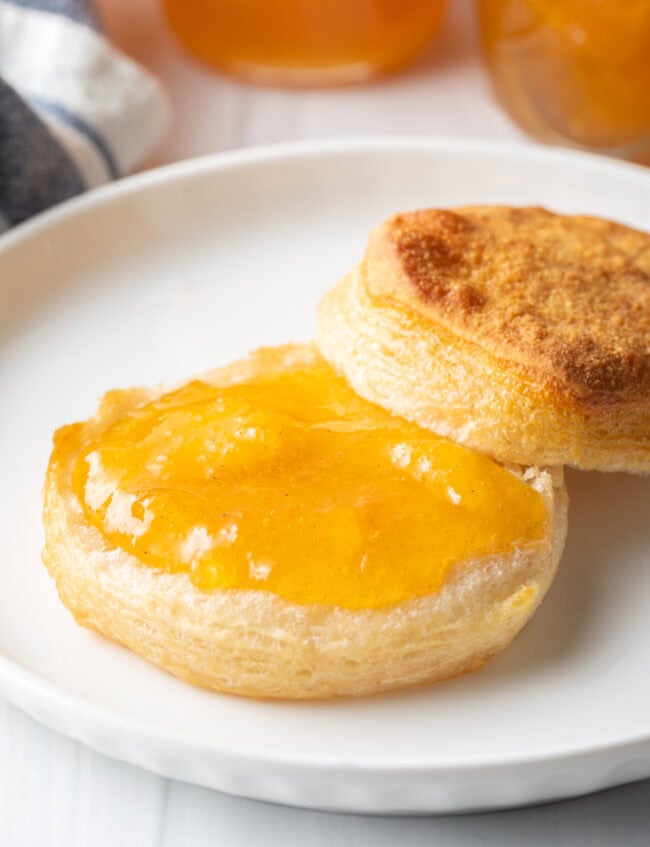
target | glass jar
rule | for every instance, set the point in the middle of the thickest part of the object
(305, 42)
(573, 71)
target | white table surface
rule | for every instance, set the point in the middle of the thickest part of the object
(56, 793)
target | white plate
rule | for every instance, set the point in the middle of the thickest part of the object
(178, 270)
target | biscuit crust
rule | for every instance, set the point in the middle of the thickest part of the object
(517, 331)
(256, 643)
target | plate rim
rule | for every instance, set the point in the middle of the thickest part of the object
(52, 703)
(47, 695)
(256, 154)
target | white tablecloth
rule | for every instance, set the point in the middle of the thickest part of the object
(56, 793)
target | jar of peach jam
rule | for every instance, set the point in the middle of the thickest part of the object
(305, 42)
(573, 71)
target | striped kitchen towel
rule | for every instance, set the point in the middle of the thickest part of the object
(74, 111)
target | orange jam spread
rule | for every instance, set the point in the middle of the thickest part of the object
(291, 483)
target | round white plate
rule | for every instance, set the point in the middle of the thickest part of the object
(182, 269)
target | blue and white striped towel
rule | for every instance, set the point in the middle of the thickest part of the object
(74, 111)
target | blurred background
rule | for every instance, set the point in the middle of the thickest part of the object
(242, 72)
(94, 89)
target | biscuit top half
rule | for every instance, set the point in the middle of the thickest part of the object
(566, 298)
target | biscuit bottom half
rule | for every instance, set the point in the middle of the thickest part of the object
(263, 530)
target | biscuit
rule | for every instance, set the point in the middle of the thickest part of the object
(257, 643)
(516, 331)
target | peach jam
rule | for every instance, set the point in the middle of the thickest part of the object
(290, 483)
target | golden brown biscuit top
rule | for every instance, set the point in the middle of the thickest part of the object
(566, 297)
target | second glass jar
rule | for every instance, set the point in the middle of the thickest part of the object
(573, 71)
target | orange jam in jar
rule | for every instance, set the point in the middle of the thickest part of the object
(290, 483)
(305, 42)
(573, 71)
